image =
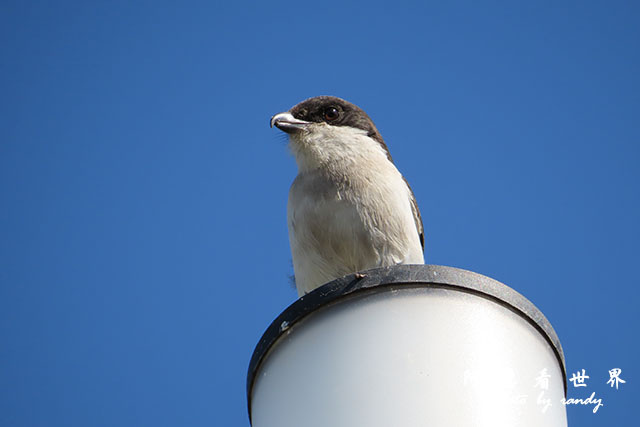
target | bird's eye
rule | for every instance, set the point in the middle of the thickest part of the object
(331, 113)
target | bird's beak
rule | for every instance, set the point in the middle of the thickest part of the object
(287, 123)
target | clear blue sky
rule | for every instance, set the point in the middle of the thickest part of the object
(143, 238)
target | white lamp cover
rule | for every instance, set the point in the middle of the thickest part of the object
(409, 346)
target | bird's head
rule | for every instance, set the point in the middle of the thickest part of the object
(327, 129)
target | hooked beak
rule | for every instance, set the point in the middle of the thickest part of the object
(287, 123)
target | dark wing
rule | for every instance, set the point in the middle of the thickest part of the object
(416, 213)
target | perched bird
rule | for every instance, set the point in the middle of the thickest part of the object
(349, 208)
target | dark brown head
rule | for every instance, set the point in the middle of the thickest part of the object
(330, 110)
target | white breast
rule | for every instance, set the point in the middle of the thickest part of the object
(349, 215)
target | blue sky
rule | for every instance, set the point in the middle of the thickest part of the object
(144, 246)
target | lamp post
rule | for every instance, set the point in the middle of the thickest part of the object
(410, 345)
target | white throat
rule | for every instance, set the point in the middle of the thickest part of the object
(330, 147)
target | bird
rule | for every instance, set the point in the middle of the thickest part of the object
(349, 208)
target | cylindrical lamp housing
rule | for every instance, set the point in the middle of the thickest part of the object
(410, 345)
